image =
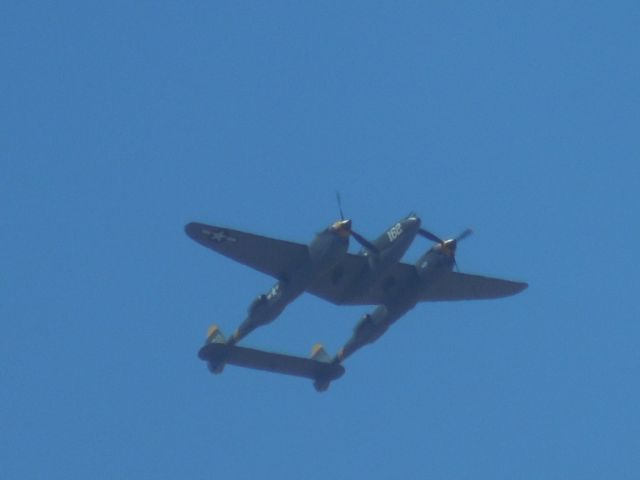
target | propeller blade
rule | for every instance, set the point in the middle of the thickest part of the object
(464, 234)
(461, 236)
(427, 234)
(364, 242)
(340, 205)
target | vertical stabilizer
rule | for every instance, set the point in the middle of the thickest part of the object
(319, 354)
(214, 335)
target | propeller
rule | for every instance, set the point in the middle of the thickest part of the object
(464, 234)
(364, 242)
(340, 205)
(430, 236)
(448, 247)
(454, 244)
(357, 237)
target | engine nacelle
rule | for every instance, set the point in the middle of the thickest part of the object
(371, 326)
(259, 303)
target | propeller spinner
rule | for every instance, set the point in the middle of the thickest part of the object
(448, 247)
(344, 228)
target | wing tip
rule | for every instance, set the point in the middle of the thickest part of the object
(192, 229)
(512, 289)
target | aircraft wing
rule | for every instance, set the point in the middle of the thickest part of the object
(335, 284)
(463, 286)
(345, 284)
(267, 255)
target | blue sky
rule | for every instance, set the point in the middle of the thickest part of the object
(122, 122)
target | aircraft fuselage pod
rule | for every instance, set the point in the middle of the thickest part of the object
(391, 245)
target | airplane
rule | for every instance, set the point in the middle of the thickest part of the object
(374, 276)
(323, 268)
(432, 278)
(396, 291)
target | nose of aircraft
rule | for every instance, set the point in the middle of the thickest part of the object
(412, 222)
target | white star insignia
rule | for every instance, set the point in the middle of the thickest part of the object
(218, 236)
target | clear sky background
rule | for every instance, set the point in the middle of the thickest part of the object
(122, 121)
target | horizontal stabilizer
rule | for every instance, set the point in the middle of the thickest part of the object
(313, 369)
(463, 286)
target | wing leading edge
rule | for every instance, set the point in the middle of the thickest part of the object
(463, 286)
(267, 255)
